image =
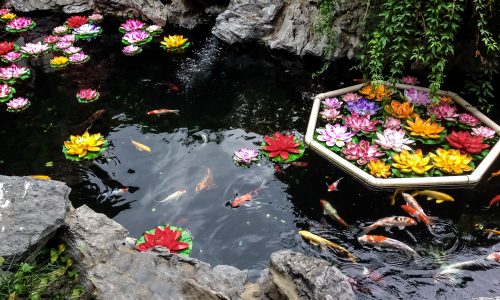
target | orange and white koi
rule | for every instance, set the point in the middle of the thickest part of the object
(206, 183)
(495, 200)
(41, 177)
(242, 200)
(329, 210)
(163, 111)
(174, 196)
(382, 241)
(334, 186)
(140, 147)
(117, 192)
(414, 204)
(389, 222)
(417, 214)
(495, 256)
(493, 175)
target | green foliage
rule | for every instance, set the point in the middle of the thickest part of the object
(324, 27)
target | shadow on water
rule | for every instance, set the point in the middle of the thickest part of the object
(228, 98)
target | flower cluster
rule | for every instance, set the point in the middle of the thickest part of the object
(13, 72)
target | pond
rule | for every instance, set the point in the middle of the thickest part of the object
(228, 98)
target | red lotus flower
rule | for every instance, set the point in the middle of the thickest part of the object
(76, 21)
(465, 142)
(167, 238)
(281, 145)
(6, 47)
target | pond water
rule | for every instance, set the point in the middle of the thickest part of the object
(229, 97)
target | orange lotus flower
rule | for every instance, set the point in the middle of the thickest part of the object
(446, 99)
(400, 110)
(426, 129)
(379, 93)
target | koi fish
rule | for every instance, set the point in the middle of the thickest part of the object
(317, 240)
(163, 111)
(495, 200)
(419, 215)
(242, 200)
(334, 186)
(393, 198)
(117, 192)
(414, 204)
(382, 241)
(300, 164)
(94, 117)
(490, 231)
(495, 256)
(493, 175)
(140, 147)
(439, 196)
(174, 196)
(460, 266)
(42, 177)
(171, 86)
(372, 274)
(206, 183)
(330, 211)
(389, 222)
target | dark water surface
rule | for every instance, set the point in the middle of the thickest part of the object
(230, 98)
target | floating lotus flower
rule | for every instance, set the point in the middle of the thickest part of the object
(6, 92)
(330, 114)
(96, 18)
(72, 50)
(334, 135)
(175, 239)
(6, 47)
(451, 161)
(86, 146)
(70, 38)
(10, 74)
(443, 111)
(350, 97)
(379, 169)
(20, 25)
(392, 123)
(131, 25)
(174, 42)
(283, 148)
(484, 132)
(362, 152)
(468, 119)
(76, 21)
(59, 62)
(466, 143)
(12, 56)
(417, 97)
(18, 104)
(400, 110)
(131, 50)
(87, 31)
(61, 45)
(8, 16)
(409, 80)
(87, 95)
(408, 162)
(363, 107)
(51, 39)
(425, 129)
(378, 93)
(334, 103)
(246, 156)
(154, 29)
(359, 123)
(78, 58)
(35, 49)
(60, 30)
(446, 99)
(393, 139)
(136, 37)
(4, 11)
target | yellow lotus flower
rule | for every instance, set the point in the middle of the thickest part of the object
(80, 145)
(408, 162)
(451, 161)
(378, 168)
(379, 93)
(174, 41)
(9, 16)
(426, 129)
(59, 61)
(400, 110)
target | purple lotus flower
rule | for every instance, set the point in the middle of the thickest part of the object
(468, 119)
(363, 107)
(72, 50)
(5, 90)
(87, 29)
(131, 49)
(417, 97)
(132, 24)
(442, 111)
(351, 97)
(135, 36)
(12, 72)
(79, 57)
(330, 114)
(70, 38)
(12, 56)
(20, 23)
(484, 132)
(360, 123)
(59, 30)
(334, 135)
(34, 48)
(332, 103)
(17, 103)
(392, 123)
(409, 80)
(393, 139)
(63, 45)
(362, 153)
(246, 156)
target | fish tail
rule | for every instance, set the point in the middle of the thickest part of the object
(486, 207)
(261, 187)
(176, 111)
(342, 222)
(367, 229)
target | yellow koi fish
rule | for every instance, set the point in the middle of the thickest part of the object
(439, 196)
(393, 197)
(140, 147)
(490, 231)
(317, 240)
(42, 177)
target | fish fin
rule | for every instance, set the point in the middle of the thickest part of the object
(324, 212)
(247, 204)
(176, 112)
(367, 229)
(388, 229)
(314, 243)
(401, 227)
(439, 201)
(490, 235)
(429, 198)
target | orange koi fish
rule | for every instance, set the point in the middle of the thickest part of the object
(493, 175)
(495, 256)
(495, 200)
(242, 200)
(206, 183)
(382, 241)
(42, 177)
(163, 111)
(171, 86)
(334, 186)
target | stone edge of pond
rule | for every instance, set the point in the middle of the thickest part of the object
(112, 270)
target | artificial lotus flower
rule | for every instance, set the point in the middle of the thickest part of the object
(363, 107)
(6, 47)
(330, 114)
(446, 99)
(378, 93)
(400, 110)
(78, 58)
(85, 146)
(167, 237)
(95, 18)
(8, 16)
(468, 119)
(60, 30)
(76, 21)
(393, 139)
(131, 24)
(154, 29)
(425, 129)
(484, 132)
(20, 25)
(136, 37)
(359, 123)
(51, 39)
(392, 123)
(378, 168)
(12, 56)
(350, 97)
(70, 38)
(87, 31)
(34, 48)
(451, 161)
(281, 146)
(362, 152)
(14, 72)
(417, 97)
(466, 143)
(334, 135)
(173, 42)
(443, 111)
(408, 162)
(4, 11)
(61, 45)
(334, 103)
(59, 61)
(131, 50)
(87, 95)
(18, 104)
(6, 92)
(409, 80)
(72, 50)
(246, 156)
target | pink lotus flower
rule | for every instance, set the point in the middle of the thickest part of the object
(51, 39)
(334, 135)
(484, 132)
(87, 94)
(130, 49)
(70, 38)
(246, 156)
(410, 80)
(78, 57)
(417, 97)
(59, 30)
(4, 11)
(360, 123)
(442, 111)
(332, 103)
(96, 17)
(132, 24)
(153, 28)
(12, 56)
(20, 23)
(393, 139)
(12, 72)
(17, 103)
(72, 50)
(135, 36)
(4, 90)
(34, 48)
(362, 153)
(468, 119)
(63, 45)
(351, 97)
(330, 114)
(392, 123)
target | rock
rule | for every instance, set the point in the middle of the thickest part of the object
(31, 211)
